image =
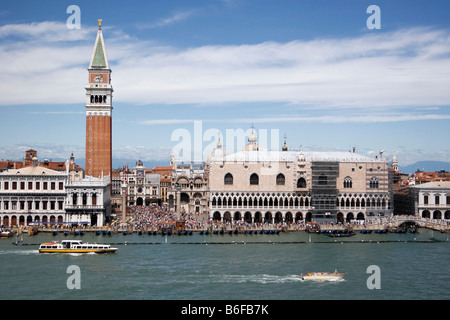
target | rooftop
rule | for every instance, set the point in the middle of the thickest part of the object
(291, 156)
(433, 185)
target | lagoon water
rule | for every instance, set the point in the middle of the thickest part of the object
(230, 267)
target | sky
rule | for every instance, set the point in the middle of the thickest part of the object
(315, 74)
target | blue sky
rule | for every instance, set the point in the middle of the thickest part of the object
(310, 70)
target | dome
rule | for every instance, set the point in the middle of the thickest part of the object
(252, 138)
(252, 143)
(217, 154)
(301, 156)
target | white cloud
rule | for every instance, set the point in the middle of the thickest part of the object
(44, 151)
(142, 152)
(348, 119)
(47, 31)
(407, 68)
(168, 21)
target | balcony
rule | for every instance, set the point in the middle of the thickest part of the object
(83, 207)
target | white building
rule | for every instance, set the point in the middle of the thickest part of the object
(258, 185)
(432, 200)
(36, 194)
(88, 201)
(32, 194)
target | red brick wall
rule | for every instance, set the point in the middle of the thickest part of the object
(98, 146)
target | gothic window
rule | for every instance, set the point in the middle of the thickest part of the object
(301, 183)
(228, 179)
(92, 98)
(281, 180)
(348, 182)
(254, 179)
(373, 183)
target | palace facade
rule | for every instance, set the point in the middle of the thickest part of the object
(284, 186)
(36, 194)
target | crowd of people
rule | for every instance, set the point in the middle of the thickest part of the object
(158, 217)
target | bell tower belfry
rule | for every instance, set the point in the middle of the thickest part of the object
(99, 112)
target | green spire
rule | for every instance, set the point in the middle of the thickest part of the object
(99, 59)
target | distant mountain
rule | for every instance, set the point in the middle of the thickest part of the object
(427, 166)
(119, 163)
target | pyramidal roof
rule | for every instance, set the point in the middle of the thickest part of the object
(99, 59)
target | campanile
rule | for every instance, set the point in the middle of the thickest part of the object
(99, 112)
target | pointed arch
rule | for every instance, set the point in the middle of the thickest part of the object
(228, 179)
(254, 179)
(280, 180)
(301, 182)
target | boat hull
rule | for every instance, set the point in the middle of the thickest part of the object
(75, 246)
(111, 250)
(324, 276)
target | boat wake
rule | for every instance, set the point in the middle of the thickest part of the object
(19, 252)
(257, 278)
(77, 254)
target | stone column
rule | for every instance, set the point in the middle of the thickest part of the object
(178, 207)
(124, 202)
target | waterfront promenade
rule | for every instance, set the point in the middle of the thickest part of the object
(159, 219)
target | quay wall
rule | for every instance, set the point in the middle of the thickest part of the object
(295, 228)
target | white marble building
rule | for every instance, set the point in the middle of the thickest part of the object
(431, 200)
(258, 185)
(36, 194)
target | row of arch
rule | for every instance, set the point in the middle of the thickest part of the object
(98, 98)
(21, 220)
(26, 220)
(186, 182)
(436, 214)
(297, 201)
(279, 217)
(260, 201)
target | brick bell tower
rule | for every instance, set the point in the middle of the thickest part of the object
(99, 112)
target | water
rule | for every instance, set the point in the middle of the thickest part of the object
(230, 267)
